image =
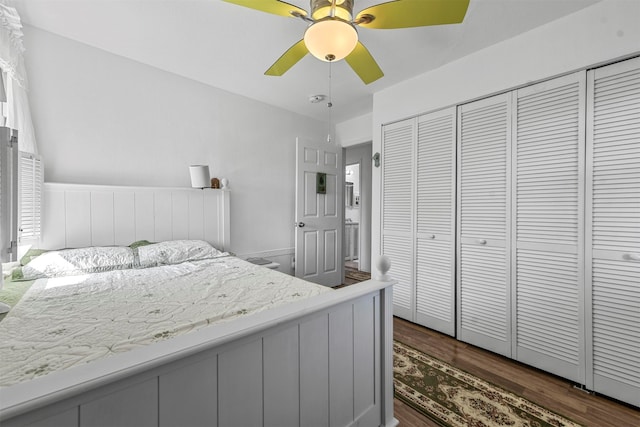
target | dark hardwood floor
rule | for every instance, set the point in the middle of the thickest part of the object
(546, 390)
(554, 393)
(352, 275)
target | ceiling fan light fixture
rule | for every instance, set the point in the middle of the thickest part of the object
(331, 39)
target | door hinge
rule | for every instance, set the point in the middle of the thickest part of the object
(12, 246)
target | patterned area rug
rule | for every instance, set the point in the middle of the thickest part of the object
(454, 398)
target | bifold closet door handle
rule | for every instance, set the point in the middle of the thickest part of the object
(481, 241)
(631, 257)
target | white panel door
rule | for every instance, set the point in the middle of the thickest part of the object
(319, 215)
(435, 220)
(613, 230)
(484, 291)
(398, 211)
(546, 250)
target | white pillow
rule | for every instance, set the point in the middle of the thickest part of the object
(175, 252)
(70, 262)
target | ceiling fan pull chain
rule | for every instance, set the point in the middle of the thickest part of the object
(329, 104)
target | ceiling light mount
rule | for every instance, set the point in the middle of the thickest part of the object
(342, 9)
(314, 99)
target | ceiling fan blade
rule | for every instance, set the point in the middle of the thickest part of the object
(276, 7)
(288, 59)
(361, 61)
(413, 13)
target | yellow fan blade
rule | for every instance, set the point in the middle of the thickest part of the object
(270, 6)
(414, 13)
(288, 59)
(361, 61)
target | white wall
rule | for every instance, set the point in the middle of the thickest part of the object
(355, 131)
(601, 33)
(104, 119)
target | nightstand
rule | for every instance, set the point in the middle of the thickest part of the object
(263, 262)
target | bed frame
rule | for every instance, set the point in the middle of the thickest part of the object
(97, 215)
(325, 360)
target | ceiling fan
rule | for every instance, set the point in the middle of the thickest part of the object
(332, 35)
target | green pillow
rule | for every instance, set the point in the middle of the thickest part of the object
(31, 254)
(139, 243)
(16, 275)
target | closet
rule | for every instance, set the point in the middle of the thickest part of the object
(484, 152)
(418, 207)
(546, 199)
(398, 212)
(547, 246)
(520, 251)
(613, 231)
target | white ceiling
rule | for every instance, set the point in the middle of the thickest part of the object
(230, 47)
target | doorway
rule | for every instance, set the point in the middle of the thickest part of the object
(319, 217)
(357, 204)
(352, 216)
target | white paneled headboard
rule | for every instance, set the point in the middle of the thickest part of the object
(77, 215)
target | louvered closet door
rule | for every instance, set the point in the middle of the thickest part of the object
(547, 246)
(397, 211)
(483, 298)
(435, 221)
(613, 230)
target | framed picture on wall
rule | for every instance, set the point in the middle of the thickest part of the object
(321, 183)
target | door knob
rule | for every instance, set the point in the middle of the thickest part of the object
(299, 224)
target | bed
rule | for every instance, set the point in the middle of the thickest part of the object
(279, 352)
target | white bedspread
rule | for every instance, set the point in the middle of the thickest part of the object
(66, 321)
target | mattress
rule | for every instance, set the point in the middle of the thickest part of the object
(65, 321)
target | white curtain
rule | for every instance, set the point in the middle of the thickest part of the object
(18, 113)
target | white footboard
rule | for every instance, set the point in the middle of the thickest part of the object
(325, 361)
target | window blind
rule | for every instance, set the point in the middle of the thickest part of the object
(31, 179)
